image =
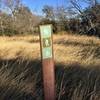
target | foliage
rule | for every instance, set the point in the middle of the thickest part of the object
(48, 21)
(74, 18)
(18, 20)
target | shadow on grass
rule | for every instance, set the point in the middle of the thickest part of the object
(77, 82)
(76, 43)
(22, 80)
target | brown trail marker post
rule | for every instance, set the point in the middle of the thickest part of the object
(46, 44)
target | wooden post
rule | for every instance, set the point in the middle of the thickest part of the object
(46, 44)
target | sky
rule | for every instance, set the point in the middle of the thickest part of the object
(37, 5)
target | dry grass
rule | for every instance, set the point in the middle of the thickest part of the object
(78, 49)
(68, 49)
(77, 68)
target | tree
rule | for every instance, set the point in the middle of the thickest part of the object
(25, 20)
(6, 24)
(87, 16)
(58, 17)
(12, 6)
(49, 12)
(93, 13)
(19, 19)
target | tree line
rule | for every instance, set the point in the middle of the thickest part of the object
(73, 18)
(16, 18)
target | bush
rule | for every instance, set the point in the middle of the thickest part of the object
(8, 32)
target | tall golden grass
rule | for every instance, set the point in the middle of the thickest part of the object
(68, 49)
(77, 62)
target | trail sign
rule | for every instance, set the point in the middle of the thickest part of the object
(46, 40)
(46, 45)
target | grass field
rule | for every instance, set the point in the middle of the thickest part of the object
(77, 65)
